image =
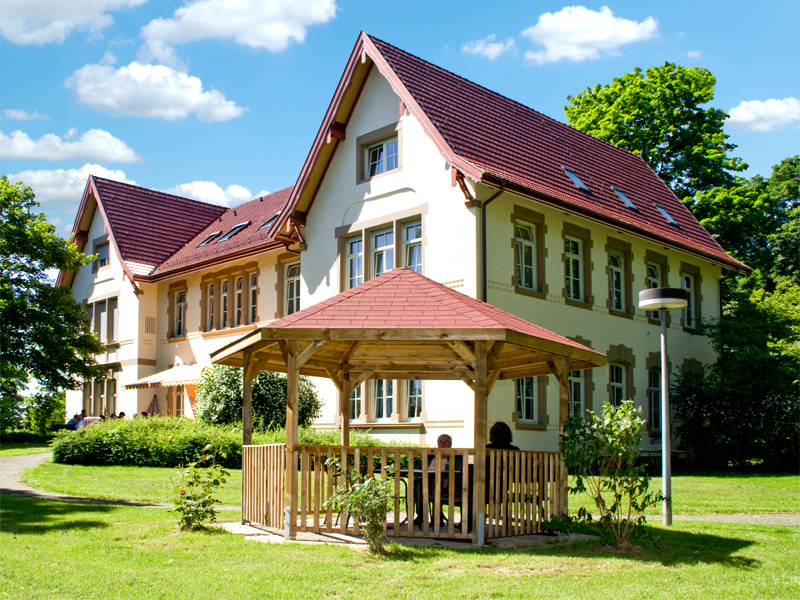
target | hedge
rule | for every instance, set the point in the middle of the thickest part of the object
(172, 442)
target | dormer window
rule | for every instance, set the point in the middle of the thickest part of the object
(575, 179)
(232, 232)
(268, 223)
(625, 200)
(665, 214)
(209, 238)
(382, 157)
(102, 256)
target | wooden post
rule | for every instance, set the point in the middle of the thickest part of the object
(247, 398)
(479, 492)
(560, 368)
(344, 409)
(292, 398)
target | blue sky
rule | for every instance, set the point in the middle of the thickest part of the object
(220, 100)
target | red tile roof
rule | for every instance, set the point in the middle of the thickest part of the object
(404, 299)
(510, 141)
(151, 226)
(158, 234)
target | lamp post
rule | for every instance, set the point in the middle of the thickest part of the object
(664, 299)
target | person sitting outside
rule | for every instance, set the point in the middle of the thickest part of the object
(72, 424)
(500, 437)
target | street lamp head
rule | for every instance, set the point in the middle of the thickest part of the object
(668, 298)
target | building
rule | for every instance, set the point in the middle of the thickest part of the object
(416, 167)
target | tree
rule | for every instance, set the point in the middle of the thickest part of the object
(44, 333)
(658, 116)
(219, 398)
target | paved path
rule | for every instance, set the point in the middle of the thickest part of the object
(11, 468)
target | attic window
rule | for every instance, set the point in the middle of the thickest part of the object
(627, 201)
(232, 232)
(575, 179)
(209, 238)
(665, 214)
(268, 223)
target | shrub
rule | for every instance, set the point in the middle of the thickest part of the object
(366, 498)
(22, 436)
(45, 411)
(194, 492)
(219, 398)
(172, 442)
(600, 451)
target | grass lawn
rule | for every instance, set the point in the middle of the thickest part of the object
(65, 550)
(19, 449)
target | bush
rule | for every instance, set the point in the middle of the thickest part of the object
(219, 398)
(195, 491)
(45, 411)
(23, 436)
(600, 451)
(172, 442)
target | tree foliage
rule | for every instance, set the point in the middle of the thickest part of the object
(658, 115)
(219, 398)
(44, 332)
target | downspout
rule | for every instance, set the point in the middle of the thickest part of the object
(484, 278)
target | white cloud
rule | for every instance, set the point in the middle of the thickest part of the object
(40, 22)
(694, 54)
(18, 114)
(488, 47)
(149, 91)
(59, 191)
(765, 115)
(269, 24)
(208, 191)
(577, 33)
(95, 144)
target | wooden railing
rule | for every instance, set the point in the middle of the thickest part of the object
(433, 489)
(263, 472)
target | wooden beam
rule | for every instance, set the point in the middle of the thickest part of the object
(309, 351)
(344, 406)
(462, 350)
(362, 377)
(249, 372)
(292, 397)
(559, 366)
(336, 378)
(348, 354)
(480, 424)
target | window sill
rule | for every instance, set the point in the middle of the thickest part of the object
(578, 303)
(530, 293)
(181, 338)
(228, 331)
(692, 330)
(620, 313)
(378, 176)
(528, 426)
(387, 425)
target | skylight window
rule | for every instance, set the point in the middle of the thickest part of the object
(665, 214)
(268, 223)
(209, 238)
(232, 232)
(627, 201)
(575, 179)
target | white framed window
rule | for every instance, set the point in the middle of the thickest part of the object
(99, 398)
(653, 281)
(413, 398)
(253, 308)
(103, 255)
(576, 391)
(238, 300)
(105, 319)
(526, 400)
(111, 397)
(382, 251)
(654, 398)
(525, 255)
(355, 404)
(383, 397)
(688, 283)
(179, 325)
(573, 267)
(355, 261)
(616, 383)
(616, 280)
(210, 301)
(382, 157)
(223, 303)
(292, 287)
(412, 245)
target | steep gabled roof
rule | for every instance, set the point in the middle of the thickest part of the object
(150, 226)
(491, 138)
(256, 213)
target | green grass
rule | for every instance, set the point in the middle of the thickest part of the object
(142, 484)
(65, 550)
(722, 493)
(22, 448)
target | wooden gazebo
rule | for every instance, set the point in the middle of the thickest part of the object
(403, 325)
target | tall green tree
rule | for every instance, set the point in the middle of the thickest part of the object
(658, 114)
(44, 333)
